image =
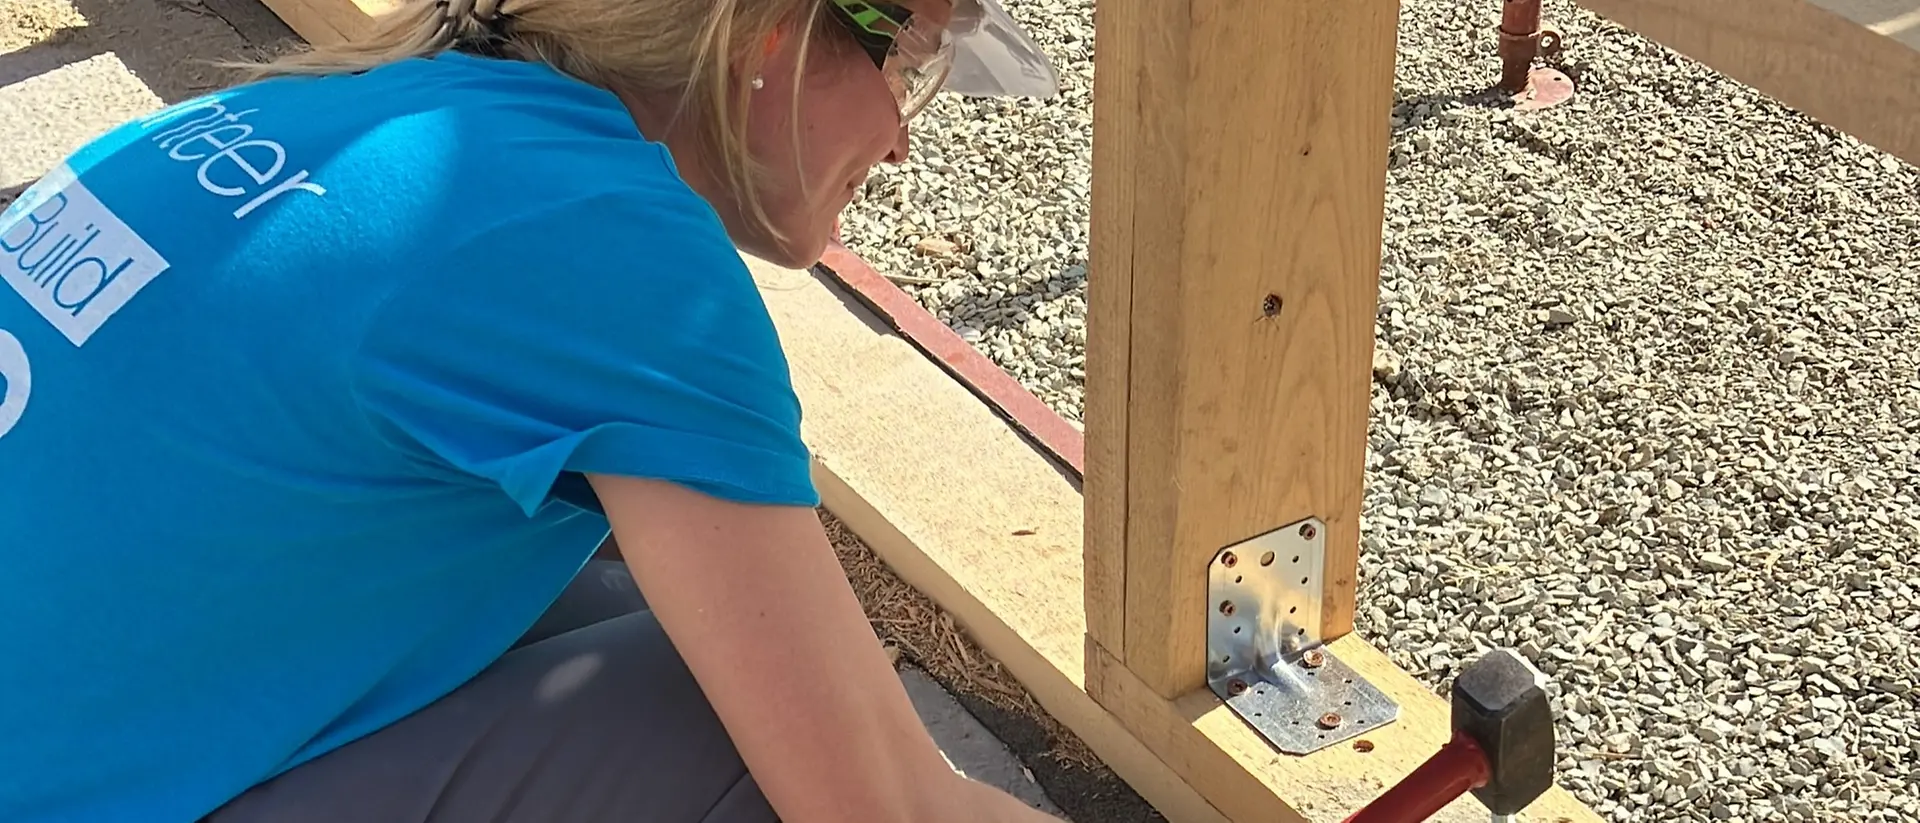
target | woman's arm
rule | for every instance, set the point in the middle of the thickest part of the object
(756, 603)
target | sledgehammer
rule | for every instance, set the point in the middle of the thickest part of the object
(1502, 747)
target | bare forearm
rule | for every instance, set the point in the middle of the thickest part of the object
(887, 767)
(835, 738)
(757, 605)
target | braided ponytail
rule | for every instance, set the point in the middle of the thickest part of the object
(415, 28)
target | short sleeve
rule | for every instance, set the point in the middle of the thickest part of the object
(619, 333)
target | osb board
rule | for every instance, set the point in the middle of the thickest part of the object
(968, 513)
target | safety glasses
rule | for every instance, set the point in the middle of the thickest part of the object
(913, 57)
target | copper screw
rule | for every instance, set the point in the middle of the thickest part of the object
(1308, 531)
(1226, 607)
(1314, 658)
(1229, 560)
(1330, 720)
(1236, 687)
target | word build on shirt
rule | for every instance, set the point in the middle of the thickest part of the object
(77, 263)
(71, 257)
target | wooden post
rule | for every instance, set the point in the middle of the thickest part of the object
(1239, 168)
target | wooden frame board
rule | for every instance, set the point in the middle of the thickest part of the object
(1238, 196)
(328, 22)
(965, 510)
(968, 511)
(1835, 69)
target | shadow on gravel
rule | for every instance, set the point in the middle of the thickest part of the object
(172, 46)
(1437, 103)
(10, 193)
(63, 47)
(1486, 97)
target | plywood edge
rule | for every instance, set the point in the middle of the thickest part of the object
(908, 460)
(1056, 688)
(969, 513)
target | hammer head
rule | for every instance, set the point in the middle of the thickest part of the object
(1501, 702)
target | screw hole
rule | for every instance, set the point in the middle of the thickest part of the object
(1296, 558)
(1303, 581)
(1266, 559)
(1301, 632)
(1238, 578)
(1348, 703)
(1292, 609)
(1236, 630)
(1349, 680)
(1271, 305)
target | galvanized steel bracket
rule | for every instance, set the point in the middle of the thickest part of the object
(1265, 652)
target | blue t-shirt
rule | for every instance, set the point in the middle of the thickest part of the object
(297, 385)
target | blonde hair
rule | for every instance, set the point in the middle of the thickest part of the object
(650, 47)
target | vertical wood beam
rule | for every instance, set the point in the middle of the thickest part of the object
(1239, 164)
(1125, 130)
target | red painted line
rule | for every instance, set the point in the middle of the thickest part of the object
(1036, 420)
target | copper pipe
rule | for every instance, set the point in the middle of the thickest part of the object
(1519, 42)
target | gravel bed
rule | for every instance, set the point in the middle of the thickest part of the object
(1647, 398)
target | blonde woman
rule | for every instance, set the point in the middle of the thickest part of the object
(318, 394)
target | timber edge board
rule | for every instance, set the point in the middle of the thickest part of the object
(331, 22)
(963, 508)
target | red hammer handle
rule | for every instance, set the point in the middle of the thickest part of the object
(1459, 767)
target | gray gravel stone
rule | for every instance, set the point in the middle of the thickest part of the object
(1646, 401)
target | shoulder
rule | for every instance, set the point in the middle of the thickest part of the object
(450, 126)
(465, 162)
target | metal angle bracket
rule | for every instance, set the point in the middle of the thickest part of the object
(1266, 656)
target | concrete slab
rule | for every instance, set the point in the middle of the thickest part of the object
(48, 115)
(970, 748)
(72, 69)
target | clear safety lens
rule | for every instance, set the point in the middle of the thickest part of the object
(916, 73)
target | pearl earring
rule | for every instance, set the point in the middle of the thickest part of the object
(759, 82)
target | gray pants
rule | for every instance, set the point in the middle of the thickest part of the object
(591, 717)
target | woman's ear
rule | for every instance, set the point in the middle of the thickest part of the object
(749, 66)
(749, 62)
